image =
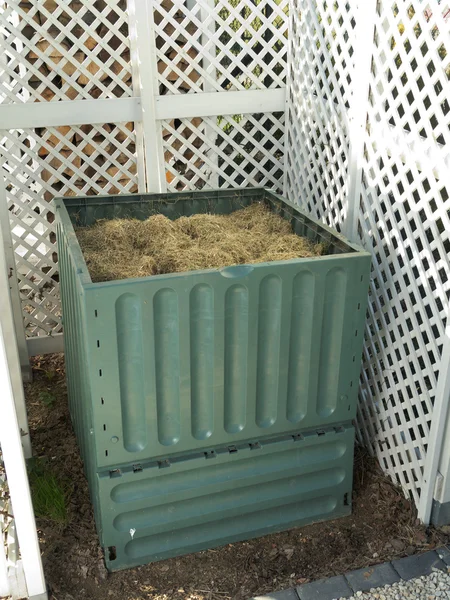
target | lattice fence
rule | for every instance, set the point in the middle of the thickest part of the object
(58, 50)
(64, 50)
(317, 148)
(39, 165)
(404, 218)
(212, 46)
(233, 151)
(403, 212)
(221, 45)
(55, 51)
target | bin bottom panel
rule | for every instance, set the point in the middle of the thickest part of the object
(147, 513)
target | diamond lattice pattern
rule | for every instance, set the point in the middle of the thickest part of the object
(404, 221)
(59, 161)
(217, 45)
(319, 84)
(403, 217)
(233, 151)
(53, 50)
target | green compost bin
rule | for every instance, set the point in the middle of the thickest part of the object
(168, 371)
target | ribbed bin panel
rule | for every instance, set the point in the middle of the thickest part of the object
(208, 500)
(206, 359)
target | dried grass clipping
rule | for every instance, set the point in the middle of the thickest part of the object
(123, 248)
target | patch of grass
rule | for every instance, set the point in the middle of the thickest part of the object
(47, 398)
(48, 491)
(50, 374)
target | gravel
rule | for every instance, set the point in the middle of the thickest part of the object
(431, 587)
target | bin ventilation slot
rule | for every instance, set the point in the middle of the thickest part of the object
(112, 553)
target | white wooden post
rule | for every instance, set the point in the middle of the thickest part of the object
(13, 286)
(364, 33)
(4, 583)
(138, 125)
(11, 439)
(208, 86)
(287, 99)
(437, 460)
(11, 319)
(143, 46)
(16, 473)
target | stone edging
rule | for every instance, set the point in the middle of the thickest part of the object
(363, 580)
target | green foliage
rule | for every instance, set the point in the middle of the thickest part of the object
(50, 375)
(47, 398)
(49, 492)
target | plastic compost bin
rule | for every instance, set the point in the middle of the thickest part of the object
(216, 405)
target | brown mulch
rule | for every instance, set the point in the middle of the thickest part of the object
(383, 526)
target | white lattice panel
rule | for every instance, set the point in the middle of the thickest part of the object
(219, 45)
(234, 151)
(319, 84)
(404, 220)
(60, 161)
(54, 50)
(403, 212)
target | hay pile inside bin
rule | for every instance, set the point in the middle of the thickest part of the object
(122, 248)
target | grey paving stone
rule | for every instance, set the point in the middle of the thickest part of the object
(290, 594)
(421, 564)
(372, 577)
(325, 589)
(444, 554)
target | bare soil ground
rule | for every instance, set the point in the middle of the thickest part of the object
(383, 526)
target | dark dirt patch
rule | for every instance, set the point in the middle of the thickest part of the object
(383, 526)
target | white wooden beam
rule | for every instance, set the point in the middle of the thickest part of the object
(72, 112)
(220, 103)
(45, 344)
(119, 110)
